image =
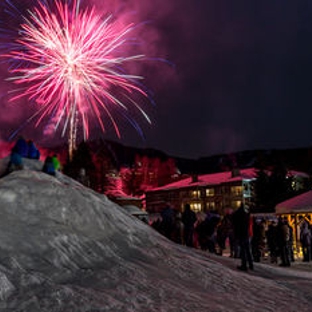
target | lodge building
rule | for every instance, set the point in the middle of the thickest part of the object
(211, 192)
(216, 191)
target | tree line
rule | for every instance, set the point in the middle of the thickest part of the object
(106, 174)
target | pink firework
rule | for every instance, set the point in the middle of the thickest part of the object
(71, 61)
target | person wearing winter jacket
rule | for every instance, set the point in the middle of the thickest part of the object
(188, 219)
(48, 166)
(56, 163)
(21, 147)
(33, 152)
(283, 241)
(16, 161)
(242, 231)
(305, 240)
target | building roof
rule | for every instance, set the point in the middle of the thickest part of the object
(297, 204)
(134, 210)
(211, 179)
(298, 174)
(120, 194)
(220, 178)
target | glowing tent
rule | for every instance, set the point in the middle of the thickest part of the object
(296, 210)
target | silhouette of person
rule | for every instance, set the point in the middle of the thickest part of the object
(241, 223)
(188, 219)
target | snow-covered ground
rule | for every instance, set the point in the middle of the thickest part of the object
(66, 248)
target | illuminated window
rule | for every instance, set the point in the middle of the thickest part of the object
(210, 192)
(196, 207)
(196, 194)
(237, 190)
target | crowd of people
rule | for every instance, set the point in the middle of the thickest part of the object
(249, 238)
(188, 228)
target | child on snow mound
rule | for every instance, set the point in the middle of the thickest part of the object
(16, 161)
(48, 166)
(33, 152)
(56, 163)
(21, 147)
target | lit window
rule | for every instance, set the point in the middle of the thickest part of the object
(237, 190)
(210, 192)
(196, 207)
(196, 194)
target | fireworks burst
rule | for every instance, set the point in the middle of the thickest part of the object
(70, 61)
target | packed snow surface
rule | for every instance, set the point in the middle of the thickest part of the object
(66, 248)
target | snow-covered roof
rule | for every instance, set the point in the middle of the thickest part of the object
(220, 178)
(134, 210)
(297, 204)
(298, 174)
(119, 194)
(211, 179)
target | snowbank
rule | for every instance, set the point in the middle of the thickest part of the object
(67, 248)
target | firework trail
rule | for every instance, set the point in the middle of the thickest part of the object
(71, 62)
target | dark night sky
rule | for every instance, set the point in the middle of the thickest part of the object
(241, 78)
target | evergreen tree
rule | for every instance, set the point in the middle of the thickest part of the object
(81, 161)
(280, 184)
(167, 171)
(128, 177)
(262, 191)
(272, 187)
(106, 167)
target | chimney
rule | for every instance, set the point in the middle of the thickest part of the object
(235, 172)
(194, 178)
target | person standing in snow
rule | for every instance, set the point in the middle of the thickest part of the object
(242, 231)
(188, 219)
(178, 229)
(167, 221)
(258, 239)
(272, 236)
(305, 240)
(283, 241)
(291, 243)
(224, 231)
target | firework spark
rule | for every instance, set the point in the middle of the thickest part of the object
(70, 61)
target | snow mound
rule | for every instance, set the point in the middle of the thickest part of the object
(31, 164)
(66, 248)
